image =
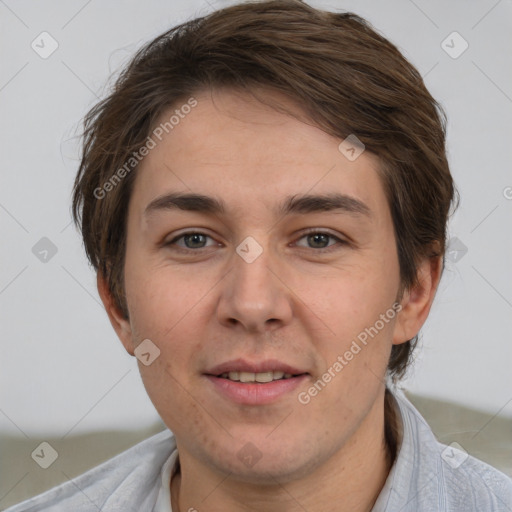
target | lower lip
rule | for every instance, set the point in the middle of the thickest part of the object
(255, 393)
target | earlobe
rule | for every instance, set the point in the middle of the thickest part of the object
(120, 324)
(417, 301)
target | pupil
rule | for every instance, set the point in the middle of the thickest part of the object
(196, 238)
(319, 237)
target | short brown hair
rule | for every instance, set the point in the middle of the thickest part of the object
(347, 78)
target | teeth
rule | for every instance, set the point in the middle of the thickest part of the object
(264, 377)
(256, 377)
(247, 377)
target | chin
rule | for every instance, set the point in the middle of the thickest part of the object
(271, 464)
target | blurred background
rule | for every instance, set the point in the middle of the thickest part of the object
(66, 379)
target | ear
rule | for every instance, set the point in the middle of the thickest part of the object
(120, 324)
(416, 302)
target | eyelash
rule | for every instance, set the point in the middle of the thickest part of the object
(304, 234)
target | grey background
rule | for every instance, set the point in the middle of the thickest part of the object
(62, 369)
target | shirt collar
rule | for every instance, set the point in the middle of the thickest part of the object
(169, 469)
(416, 470)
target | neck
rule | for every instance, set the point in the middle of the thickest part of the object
(350, 480)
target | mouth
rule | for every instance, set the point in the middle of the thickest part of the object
(260, 377)
(255, 383)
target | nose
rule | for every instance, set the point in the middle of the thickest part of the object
(254, 295)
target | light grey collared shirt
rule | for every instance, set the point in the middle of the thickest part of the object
(427, 476)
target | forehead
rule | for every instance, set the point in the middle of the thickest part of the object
(233, 147)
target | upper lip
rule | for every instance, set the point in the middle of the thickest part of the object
(241, 365)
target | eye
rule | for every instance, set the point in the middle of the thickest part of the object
(192, 240)
(319, 240)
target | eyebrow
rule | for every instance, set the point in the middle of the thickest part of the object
(299, 204)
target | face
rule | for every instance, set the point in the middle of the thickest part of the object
(269, 285)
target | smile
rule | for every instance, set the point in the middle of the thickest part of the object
(262, 377)
(255, 392)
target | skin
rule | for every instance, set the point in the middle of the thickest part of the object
(293, 303)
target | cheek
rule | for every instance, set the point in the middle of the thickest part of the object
(169, 316)
(161, 299)
(353, 301)
(357, 309)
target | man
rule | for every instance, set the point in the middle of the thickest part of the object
(264, 198)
